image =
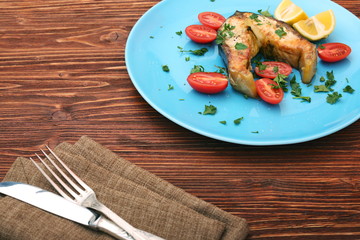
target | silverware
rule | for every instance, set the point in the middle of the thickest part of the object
(84, 195)
(58, 205)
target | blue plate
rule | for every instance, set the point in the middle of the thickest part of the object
(153, 42)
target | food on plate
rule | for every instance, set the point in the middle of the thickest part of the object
(290, 13)
(269, 90)
(271, 69)
(208, 82)
(211, 19)
(200, 33)
(273, 38)
(317, 27)
(333, 52)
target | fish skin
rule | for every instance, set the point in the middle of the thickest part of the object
(258, 32)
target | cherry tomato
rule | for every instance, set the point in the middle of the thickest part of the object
(208, 82)
(269, 91)
(211, 19)
(272, 69)
(201, 33)
(333, 52)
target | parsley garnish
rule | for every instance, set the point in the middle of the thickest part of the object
(265, 13)
(238, 120)
(333, 98)
(187, 59)
(225, 33)
(179, 33)
(170, 87)
(255, 17)
(280, 80)
(209, 110)
(223, 122)
(165, 68)
(240, 46)
(198, 52)
(321, 88)
(295, 87)
(280, 32)
(197, 68)
(304, 99)
(348, 89)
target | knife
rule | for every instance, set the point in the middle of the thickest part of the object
(62, 207)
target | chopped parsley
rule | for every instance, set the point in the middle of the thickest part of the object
(238, 120)
(198, 52)
(225, 33)
(265, 13)
(321, 88)
(254, 17)
(280, 79)
(348, 89)
(179, 33)
(165, 68)
(280, 32)
(209, 110)
(170, 87)
(333, 98)
(223, 122)
(295, 87)
(187, 59)
(240, 46)
(197, 68)
(304, 99)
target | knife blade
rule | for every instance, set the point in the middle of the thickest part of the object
(62, 207)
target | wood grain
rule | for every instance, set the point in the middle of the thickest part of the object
(63, 75)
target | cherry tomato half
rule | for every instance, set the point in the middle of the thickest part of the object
(333, 52)
(211, 19)
(200, 33)
(208, 82)
(272, 69)
(269, 91)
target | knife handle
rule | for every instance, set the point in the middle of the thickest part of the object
(114, 230)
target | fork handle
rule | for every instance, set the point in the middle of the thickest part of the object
(135, 233)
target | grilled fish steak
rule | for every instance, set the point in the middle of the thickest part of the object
(273, 38)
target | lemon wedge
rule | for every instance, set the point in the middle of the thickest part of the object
(290, 13)
(317, 27)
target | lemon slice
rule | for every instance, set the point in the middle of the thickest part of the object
(288, 12)
(317, 27)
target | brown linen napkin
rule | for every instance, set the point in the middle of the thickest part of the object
(143, 199)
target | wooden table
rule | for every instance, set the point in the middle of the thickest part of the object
(63, 75)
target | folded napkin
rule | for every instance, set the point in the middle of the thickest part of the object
(141, 198)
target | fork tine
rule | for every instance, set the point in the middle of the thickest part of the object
(74, 185)
(59, 190)
(56, 176)
(82, 183)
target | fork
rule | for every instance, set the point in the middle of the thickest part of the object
(84, 195)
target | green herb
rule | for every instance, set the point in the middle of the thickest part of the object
(212, 0)
(333, 98)
(304, 99)
(170, 87)
(322, 79)
(181, 99)
(265, 13)
(255, 132)
(330, 80)
(225, 33)
(321, 46)
(209, 110)
(165, 68)
(223, 122)
(321, 88)
(276, 69)
(238, 120)
(240, 46)
(222, 70)
(261, 66)
(151, 37)
(280, 32)
(295, 87)
(187, 59)
(254, 17)
(348, 89)
(197, 68)
(280, 79)
(179, 33)
(198, 52)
